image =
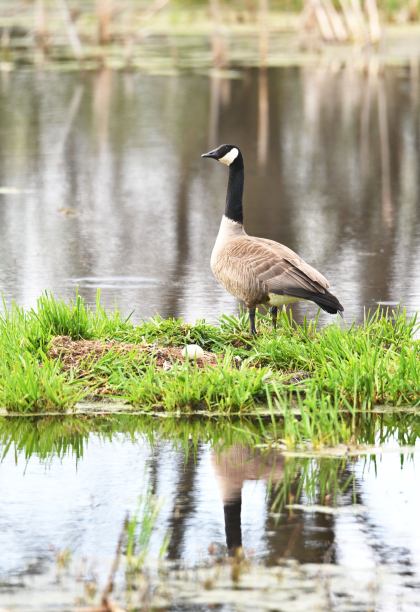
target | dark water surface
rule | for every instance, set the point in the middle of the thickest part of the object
(63, 489)
(102, 185)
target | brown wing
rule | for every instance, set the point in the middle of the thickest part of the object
(293, 259)
(251, 268)
(298, 279)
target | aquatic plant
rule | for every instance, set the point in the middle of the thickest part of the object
(316, 380)
(139, 529)
(57, 436)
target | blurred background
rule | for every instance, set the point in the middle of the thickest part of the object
(106, 106)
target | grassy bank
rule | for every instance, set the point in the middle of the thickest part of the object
(58, 354)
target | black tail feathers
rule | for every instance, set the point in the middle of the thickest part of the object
(327, 301)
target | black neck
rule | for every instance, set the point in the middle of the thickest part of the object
(235, 190)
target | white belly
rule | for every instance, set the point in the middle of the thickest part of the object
(281, 300)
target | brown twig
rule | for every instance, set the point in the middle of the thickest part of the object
(107, 604)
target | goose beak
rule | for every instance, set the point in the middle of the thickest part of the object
(211, 154)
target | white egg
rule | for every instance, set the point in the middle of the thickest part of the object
(192, 351)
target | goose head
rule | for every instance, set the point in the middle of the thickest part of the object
(226, 154)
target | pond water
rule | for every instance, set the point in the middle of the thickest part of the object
(74, 481)
(102, 184)
(102, 187)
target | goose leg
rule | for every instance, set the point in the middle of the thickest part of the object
(252, 321)
(273, 311)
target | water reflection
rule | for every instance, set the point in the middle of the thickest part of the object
(232, 467)
(81, 476)
(110, 184)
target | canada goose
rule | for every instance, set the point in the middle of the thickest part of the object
(258, 270)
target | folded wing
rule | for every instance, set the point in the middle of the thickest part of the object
(253, 268)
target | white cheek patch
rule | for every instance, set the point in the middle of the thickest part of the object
(229, 157)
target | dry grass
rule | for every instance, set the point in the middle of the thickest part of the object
(74, 353)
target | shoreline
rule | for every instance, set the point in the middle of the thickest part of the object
(168, 47)
(319, 386)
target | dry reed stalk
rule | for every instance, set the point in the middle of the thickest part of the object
(360, 19)
(322, 20)
(153, 10)
(40, 26)
(72, 34)
(218, 42)
(374, 26)
(337, 25)
(104, 17)
(351, 20)
(263, 15)
(107, 605)
(413, 10)
(354, 22)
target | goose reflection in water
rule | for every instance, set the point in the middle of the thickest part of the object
(306, 536)
(233, 467)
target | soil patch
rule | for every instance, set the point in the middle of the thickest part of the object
(74, 353)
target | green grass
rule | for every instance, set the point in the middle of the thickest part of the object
(220, 388)
(34, 384)
(58, 436)
(139, 530)
(325, 376)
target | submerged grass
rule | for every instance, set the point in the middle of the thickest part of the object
(48, 437)
(325, 376)
(139, 529)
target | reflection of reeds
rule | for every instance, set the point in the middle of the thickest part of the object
(375, 86)
(387, 209)
(360, 97)
(263, 116)
(71, 115)
(214, 115)
(365, 111)
(101, 105)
